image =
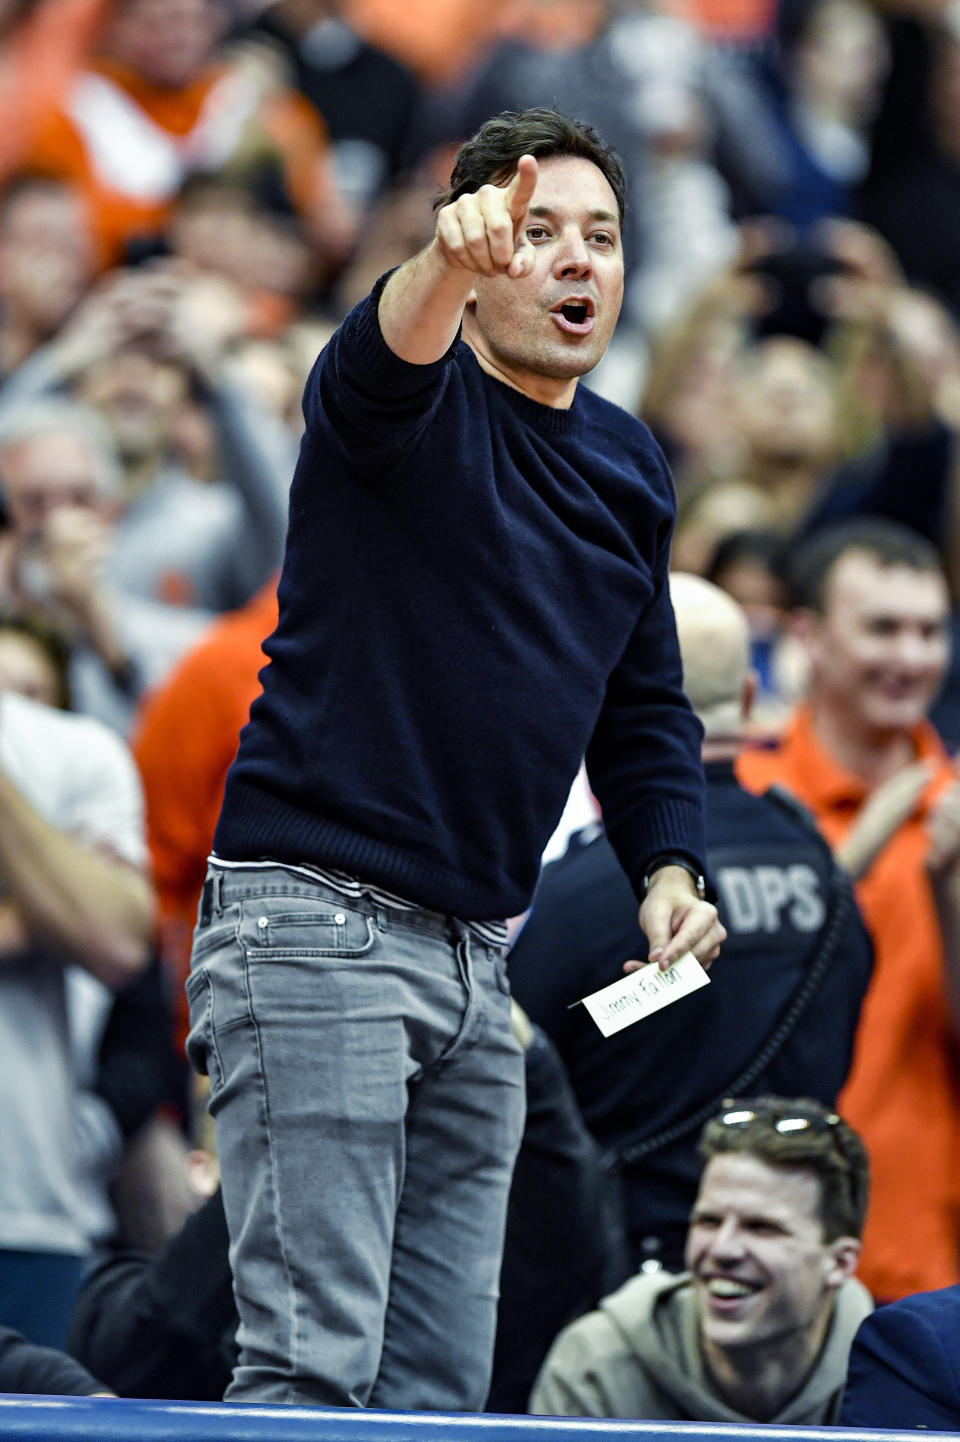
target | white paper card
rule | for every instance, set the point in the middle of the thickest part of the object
(642, 992)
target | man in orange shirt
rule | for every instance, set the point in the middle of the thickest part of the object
(160, 102)
(872, 612)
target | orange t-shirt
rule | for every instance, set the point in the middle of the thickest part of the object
(129, 145)
(186, 738)
(903, 1091)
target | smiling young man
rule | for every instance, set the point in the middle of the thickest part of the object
(759, 1327)
(474, 595)
(871, 607)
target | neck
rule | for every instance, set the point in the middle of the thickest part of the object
(821, 104)
(545, 390)
(872, 755)
(760, 1381)
(139, 472)
(789, 482)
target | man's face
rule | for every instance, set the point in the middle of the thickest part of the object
(43, 473)
(879, 652)
(138, 396)
(761, 1270)
(167, 42)
(544, 330)
(785, 405)
(46, 254)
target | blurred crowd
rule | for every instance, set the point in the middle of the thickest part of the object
(192, 195)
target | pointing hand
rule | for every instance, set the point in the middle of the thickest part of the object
(483, 231)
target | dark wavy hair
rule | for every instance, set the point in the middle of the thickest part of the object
(490, 156)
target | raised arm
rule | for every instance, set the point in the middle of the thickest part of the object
(479, 234)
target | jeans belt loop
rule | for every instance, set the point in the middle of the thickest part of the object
(210, 898)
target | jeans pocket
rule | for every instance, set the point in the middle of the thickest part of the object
(293, 926)
(201, 1047)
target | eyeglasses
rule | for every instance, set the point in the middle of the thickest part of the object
(786, 1122)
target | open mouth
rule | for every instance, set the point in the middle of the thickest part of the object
(726, 1295)
(727, 1289)
(896, 688)
(575, 315)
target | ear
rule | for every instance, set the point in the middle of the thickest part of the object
(844, 1257)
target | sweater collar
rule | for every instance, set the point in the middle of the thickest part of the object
(549, 419)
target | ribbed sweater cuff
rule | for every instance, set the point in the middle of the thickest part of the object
(667, 825)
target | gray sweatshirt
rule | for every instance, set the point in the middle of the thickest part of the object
(639, 1356)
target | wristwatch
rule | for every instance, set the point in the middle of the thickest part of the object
(670, 858)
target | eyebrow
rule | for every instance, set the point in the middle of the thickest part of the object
(546, 212)
(748, 1219)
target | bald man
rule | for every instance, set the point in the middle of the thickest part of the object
(715, 650)
(793, 932)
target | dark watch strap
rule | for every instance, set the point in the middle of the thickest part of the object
(670, 858)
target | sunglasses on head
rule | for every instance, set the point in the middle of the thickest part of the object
(785, 1120)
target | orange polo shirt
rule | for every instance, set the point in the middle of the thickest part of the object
(903, 1091)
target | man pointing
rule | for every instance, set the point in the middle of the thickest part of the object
(473, 595)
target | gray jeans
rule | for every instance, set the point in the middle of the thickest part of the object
(368, 1099)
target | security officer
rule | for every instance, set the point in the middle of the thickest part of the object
(780, 1014)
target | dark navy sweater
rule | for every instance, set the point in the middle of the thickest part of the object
(473, 595)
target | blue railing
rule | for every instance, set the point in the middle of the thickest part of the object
(93, 1419)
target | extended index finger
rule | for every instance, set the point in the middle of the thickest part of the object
(521, 187)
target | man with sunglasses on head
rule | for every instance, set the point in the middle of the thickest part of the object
(759, 1327)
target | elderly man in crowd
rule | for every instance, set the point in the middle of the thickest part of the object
(60, 489)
